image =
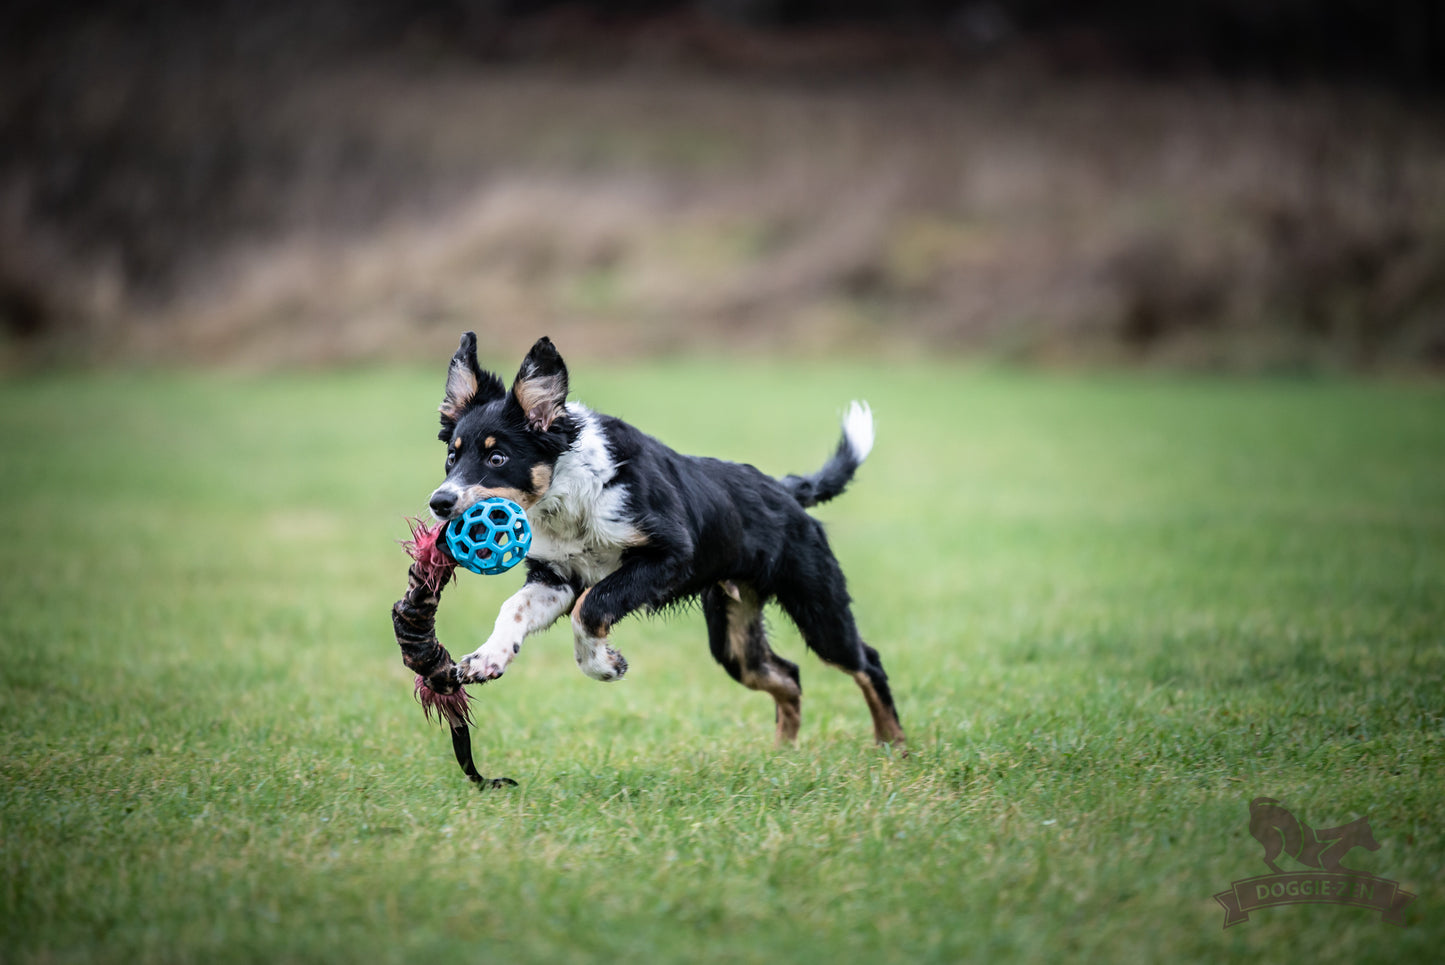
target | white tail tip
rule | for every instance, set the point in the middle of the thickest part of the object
(858, 429)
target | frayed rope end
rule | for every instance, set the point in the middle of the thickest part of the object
(435, 566)
(453, 709)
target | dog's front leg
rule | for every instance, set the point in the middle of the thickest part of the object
(639, 583)
(536, 606)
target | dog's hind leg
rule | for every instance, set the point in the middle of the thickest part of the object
(874, 683)
(821, 611)
(739, 642)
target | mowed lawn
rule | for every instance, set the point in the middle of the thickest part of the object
(1114, 609)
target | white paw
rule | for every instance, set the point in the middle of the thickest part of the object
(488, 663)
(601, 662)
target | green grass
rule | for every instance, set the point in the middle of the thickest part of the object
(1114, 609)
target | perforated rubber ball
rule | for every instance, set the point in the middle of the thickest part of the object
(491, 537)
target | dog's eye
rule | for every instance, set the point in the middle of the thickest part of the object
(451, 458)
(497, 460)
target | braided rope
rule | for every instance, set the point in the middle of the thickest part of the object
(413, 617)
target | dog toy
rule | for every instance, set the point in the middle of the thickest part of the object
(413, 617)
(491, 537)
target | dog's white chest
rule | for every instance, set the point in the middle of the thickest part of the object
(573, 558)
(580, 527)
(587, 545)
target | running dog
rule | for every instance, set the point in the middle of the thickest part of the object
(622, 523)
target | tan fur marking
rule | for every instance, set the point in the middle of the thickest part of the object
(541, 479)
(885, 726)
(541, 399)
(577, 615)
(790, 718)
(789, 699)
(491, 443)
(475, 494)
(461, 388)
(578, 605)
(457, 443)
(743, 615)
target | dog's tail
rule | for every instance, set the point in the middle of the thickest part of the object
(853, 448)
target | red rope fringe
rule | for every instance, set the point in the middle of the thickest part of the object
(453, 709)
(425, 547)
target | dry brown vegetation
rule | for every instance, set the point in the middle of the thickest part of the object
(373, 210)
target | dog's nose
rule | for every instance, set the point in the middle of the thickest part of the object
(442, 503)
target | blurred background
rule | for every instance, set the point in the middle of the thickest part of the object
(1227, 184)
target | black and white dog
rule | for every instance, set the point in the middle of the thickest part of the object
(622, 523)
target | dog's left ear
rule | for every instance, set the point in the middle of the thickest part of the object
(541, 385)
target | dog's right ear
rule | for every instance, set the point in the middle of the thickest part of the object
(467, 385)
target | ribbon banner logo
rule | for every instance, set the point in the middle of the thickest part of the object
(1280, 832)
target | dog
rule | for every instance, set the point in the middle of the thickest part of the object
(621, 523)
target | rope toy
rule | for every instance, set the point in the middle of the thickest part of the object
(413, 617)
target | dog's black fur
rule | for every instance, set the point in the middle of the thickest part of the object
(623, 523)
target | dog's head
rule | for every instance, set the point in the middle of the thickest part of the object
(501, 442)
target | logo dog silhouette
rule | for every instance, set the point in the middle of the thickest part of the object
(1282, 833)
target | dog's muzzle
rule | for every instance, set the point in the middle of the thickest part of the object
(443, 502)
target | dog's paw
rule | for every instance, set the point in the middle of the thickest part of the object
(480, 667)
(619, 663)
(602, 663)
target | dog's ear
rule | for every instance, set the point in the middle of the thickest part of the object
(540, 389)
(467, 384)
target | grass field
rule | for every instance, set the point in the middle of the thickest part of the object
(1114, 609)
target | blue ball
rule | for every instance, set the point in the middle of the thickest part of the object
(491, 537)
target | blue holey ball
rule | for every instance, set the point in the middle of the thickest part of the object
(491, 537)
